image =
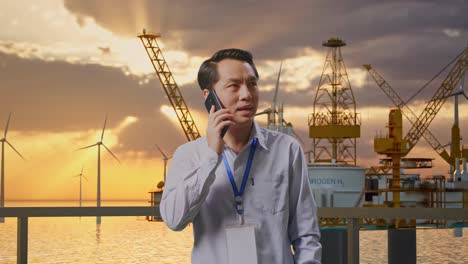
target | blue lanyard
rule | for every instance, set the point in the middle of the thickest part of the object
(238, 193)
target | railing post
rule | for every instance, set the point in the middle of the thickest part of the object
(353, 240)
(22, 243)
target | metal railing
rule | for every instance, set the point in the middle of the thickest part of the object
(23, 213)
(352, 216)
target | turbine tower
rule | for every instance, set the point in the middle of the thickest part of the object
(165, 158)
(99, 144)
(81, 175)
(334, 124)
(4, 140)
(455, 148)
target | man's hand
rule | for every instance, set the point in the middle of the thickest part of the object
(216, 122)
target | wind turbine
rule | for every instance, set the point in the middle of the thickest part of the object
(271, 112)
(81, 175)
(99, 144)
(4, 140)
(165, 158)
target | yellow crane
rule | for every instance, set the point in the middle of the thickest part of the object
(395, 146)
(169, 85)
(406, 111)
(174, 95)
(438, 99)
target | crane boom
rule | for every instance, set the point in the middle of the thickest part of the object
(169, 85)
(439, 98)
(407, 112)
(394, 145)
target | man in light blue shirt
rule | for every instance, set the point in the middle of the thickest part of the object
(253, 174)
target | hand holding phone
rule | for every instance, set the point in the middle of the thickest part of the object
(212, 99)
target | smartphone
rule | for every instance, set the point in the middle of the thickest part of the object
(212, 99)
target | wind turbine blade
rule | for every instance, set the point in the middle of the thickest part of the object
(102, 135)
(111, 153)
(462, 83)
(161, 152)
(297, 136)
(170, 157)
(277, 88)
(466, 97)
(87, 147)
(7, 124)
(266, 111)
(85, 178)
(15, 150)
(81, 170)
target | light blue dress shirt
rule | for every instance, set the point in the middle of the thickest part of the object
(277, 199)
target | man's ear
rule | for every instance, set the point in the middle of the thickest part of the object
(205, 93)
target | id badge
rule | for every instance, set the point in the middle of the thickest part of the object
(241, 244)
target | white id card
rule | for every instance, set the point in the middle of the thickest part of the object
(241, 244)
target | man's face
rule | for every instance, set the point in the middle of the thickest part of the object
(237, 89)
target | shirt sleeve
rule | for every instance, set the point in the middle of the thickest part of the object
(303, 229)
(189, 177)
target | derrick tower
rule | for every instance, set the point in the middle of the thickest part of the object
(334, 125)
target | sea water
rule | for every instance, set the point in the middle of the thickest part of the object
(135, 240)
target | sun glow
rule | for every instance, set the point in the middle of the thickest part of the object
(125, 123)
(53, 159)
(169, 112)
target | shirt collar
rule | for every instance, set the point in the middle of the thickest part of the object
(256, 132)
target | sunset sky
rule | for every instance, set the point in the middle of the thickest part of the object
(65, 65)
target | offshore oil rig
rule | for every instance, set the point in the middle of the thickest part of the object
(336, 181)
(334, 127)
(335, 178)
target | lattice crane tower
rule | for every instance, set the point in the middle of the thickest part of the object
(169, 85)
(334, 125)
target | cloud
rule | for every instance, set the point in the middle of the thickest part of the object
(105, 50)
(50, 32)
(58, 97)
(123, 17)
(453, 33)
(397, 37)
(86, 62)
(271, 28)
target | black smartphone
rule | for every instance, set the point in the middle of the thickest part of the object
(212, 99)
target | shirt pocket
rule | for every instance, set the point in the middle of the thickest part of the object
(270, 195)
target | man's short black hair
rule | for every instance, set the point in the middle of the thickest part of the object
(208, 73)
